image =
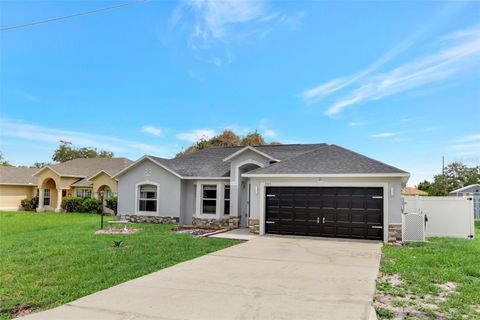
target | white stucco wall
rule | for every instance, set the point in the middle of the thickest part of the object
(247, 157)
(169, 190)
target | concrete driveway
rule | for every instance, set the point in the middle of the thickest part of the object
(265, 278)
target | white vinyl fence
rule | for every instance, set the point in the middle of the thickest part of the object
(446, 216)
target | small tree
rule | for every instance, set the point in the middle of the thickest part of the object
(66, 151)
(4, 162)
(253, 139)
(40, 164)
(425, 186)
(439, 186)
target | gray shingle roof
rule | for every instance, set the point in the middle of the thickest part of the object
(84, 169)
(294, 159)
(329, 159)
(209, 162)
(89, 167)
(15, 175)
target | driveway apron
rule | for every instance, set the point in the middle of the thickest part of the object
(268, 277)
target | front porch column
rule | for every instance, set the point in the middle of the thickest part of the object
(41, 197)
(59, 201)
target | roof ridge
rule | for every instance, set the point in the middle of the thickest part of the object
(364, 156)
(293, 158)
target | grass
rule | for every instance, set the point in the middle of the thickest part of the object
(425, 266)
(49, 259)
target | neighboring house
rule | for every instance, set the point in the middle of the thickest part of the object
(409, 191)
(471, 190)
(16, 184)
(301, 189)
(85, 178)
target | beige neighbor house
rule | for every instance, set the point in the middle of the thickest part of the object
(16, 184)
(75, 178)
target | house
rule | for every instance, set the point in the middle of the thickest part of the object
(471, 190)
(16, 184)
(299, 189)
(409, 191)
(85, 178)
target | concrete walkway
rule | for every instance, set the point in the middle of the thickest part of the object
(265, 278)
(236, 234)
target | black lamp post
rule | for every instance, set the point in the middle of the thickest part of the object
(101, 213)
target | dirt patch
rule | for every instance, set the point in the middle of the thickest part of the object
(21, 310)
(396, 302)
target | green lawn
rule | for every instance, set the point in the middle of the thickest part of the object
(425, 266)
(49, 259)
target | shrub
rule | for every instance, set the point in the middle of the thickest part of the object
(111, 203)
(92, 205)
(73, 204)
(29, 204)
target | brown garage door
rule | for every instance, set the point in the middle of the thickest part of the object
(328, 212)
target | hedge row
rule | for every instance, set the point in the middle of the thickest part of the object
(75, 204)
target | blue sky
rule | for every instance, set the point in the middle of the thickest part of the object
(397, 81)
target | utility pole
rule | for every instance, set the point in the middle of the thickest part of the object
(443, 165)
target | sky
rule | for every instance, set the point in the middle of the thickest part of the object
(396, 81)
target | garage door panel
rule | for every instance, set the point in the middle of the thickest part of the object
(374, 204)
(343, 217)
(325, 211)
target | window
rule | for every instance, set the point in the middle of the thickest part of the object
(226, 201)
(209, 199)
(46, 197)
(148, 198)
(83, 193)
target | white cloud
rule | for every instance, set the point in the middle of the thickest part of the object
(51, 137)
(322, 90)
(384, 135)
(214, 24)
(215, 19)
(467, 145)
(458, 54)
(470, 138)
(431, 129)
(196, 135)
(158, 132)
(269, 133)
(356, 123)
(446, 63)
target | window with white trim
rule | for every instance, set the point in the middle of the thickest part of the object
(46, 197)
(147, 200)
(209, 199)
(83, 193)
(226, 200)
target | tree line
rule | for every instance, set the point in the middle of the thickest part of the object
(66, 151)
(455, 176)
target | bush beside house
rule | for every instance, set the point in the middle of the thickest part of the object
(29, 204)
(111, 203)
(92, 205)
(77, 204)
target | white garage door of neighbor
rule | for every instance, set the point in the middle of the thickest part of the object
(447, 216)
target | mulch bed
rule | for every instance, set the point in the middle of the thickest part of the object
(117, 231)
(197, 231)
